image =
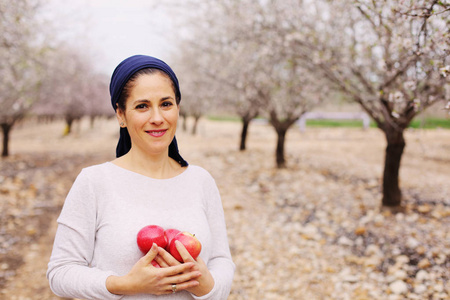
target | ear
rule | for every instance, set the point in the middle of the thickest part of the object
(120, 118)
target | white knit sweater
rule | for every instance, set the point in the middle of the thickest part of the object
(103, 212)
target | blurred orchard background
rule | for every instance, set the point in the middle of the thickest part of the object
(325, 124)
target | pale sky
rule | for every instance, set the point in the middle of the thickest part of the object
(114, 29)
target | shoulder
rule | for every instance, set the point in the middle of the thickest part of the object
(200, 177)
(100, 169)
(199, 173)
(198, 170)
(196, 177)
(95, 173)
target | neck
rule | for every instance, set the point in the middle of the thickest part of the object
(159, 166)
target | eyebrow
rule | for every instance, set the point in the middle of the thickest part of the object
(148, 101)
(167, 98)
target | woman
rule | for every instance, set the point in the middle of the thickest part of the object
(95, 254)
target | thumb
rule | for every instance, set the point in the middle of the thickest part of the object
(151, 254)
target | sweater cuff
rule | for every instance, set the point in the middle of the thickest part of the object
(207, 296)
(106, 292)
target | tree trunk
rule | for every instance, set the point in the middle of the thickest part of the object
(92, 121)
(281, 138)
(68, 129)
(184, 124)
(194, 126)
(183, 114)
(392, 195)
(6, 128)
(245, 124)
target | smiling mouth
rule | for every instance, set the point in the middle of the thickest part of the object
(156, 133)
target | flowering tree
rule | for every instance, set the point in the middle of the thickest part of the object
(70, 88)
(212, 63)
(198, 91)
(21, 65)
(241, 69)
(294, 95)
(391, 57)
(293, 90)
(37, 75)
(252, 71)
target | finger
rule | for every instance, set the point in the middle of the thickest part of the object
(183, 252)
(185, 277)
(161, 262)
(172, 271)
(151, 254)
(167, 257)
(183, 286)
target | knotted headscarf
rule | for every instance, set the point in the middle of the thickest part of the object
(123, 72)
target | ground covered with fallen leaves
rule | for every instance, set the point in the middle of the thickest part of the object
(314, 230)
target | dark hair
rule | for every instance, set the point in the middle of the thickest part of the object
(130, 84)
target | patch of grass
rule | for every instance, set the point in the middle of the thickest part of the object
(334, 123)
(224, 118)
(430, 123)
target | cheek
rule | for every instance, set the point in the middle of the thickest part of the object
(137, 119)
(173, 116)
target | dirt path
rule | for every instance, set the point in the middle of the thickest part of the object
(29, 281)
(33, 185)
(312, 231)
(29, 223)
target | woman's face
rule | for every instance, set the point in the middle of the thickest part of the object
(151, 114)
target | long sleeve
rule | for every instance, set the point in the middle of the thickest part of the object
(69, 272)
(105, 209)
(220, 263)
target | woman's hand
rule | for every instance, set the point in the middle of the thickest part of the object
(206, 281)
(145, 278)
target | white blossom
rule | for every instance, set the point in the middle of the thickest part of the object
(444, 71)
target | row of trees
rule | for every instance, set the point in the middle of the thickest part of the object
(71, 89)
(279, 59)
(40, 75)
(276, 59)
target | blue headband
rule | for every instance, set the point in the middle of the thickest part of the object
(123, 72)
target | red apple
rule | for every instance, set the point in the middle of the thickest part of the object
(155, 264)
(151, 234)
(190, 242)
(170, 234)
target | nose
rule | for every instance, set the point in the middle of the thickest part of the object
(156, 117)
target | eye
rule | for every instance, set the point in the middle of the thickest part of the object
(166, 104)
(141, 106)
